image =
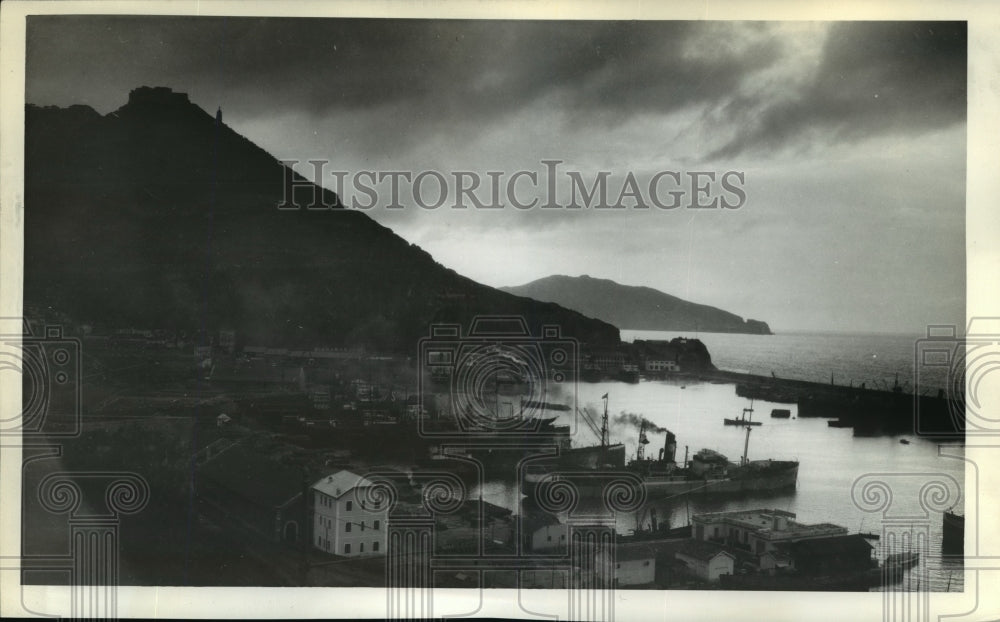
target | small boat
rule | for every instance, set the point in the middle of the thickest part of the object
(740, 422)
(745, 420)
(781, 413)
(901, 561)
(904, 441)
(838, 423)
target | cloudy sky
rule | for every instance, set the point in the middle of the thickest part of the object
(851, 137)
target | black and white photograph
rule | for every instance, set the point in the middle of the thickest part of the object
(577, 314)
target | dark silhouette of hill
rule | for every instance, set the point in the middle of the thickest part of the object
(636, 308)
(159, 216)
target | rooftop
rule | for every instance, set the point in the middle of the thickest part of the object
(699, 549)
(533, 521)
(834, 545)
(244, 471)
(767, 521)
(340, 483)
(756, 515)
(634, 551)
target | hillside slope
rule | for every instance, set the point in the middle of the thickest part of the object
(159, 216)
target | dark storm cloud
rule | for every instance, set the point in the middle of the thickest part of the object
(873, 78)
(446, 70)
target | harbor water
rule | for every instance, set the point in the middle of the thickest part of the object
(835, 466)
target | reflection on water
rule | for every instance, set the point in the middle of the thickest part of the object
(831, 461)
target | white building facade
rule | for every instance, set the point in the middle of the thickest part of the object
(345, 522)
(708, 566)
(550, 537)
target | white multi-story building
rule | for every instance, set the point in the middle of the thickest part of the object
(343, 522)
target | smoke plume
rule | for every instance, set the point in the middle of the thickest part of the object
(636, 421)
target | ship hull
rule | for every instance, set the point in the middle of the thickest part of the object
(953, 534)
(781, 478)
(593, 457)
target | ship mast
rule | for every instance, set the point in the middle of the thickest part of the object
(746, 445)
(604, 424)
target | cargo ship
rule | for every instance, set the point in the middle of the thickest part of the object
(710, 472)
(707, 473)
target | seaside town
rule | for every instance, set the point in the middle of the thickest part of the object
(324, 466)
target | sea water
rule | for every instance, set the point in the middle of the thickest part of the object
(835, 466)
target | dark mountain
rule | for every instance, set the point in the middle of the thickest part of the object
(636, 308)
(158, 215)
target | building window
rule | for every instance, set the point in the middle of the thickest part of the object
(618, 566)
(362, 549)
(347, 549)
(548, 538)
(562, 537)
(319, 540)
(350, 504)
(362, 525)
(347, 527)
(645, 563)
(377, 524)
(375, 546)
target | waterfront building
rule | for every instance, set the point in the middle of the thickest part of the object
(634, 564)
(706, 560)
(660, 365)
(345, 521)
(758, 531)
(831, 555)
(254, 491)
(545, 534)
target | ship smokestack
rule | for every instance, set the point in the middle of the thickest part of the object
(669, 451)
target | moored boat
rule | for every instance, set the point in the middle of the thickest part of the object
(708, 472)
(952, 533)
(745, 419)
